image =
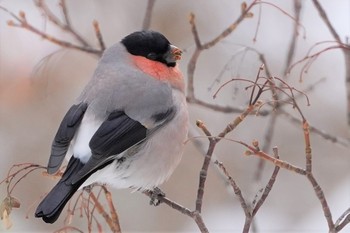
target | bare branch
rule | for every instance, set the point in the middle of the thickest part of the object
(293, 42)
(99, 35)
(268, 186)
(321, 197)
(65, 12)
(285, 13)
(112, 225)
(193, 214)
(200, 47)
(230, 28)
(204, 169)
(68, 228)
(334, 139)
(343, 220)
(22, 22)
(277, 162)
(148, 15)
(325, 19)
(55, 20)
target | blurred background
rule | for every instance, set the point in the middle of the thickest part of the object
(36, 93)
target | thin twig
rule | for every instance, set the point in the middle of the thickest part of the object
(308, 153)
(237, 191)
(22, 22)
(103, 213)
(205, 166)
(268, 135)
(334, 139)
(113, 211)
(277, 162)
(148, 15)
(343, 220)
(193, 214)
(230, 28)
(191, 67)
(324, 17)
(68, 228)
(321, 197)
(64, 26)
(99, 35)
(293, 42)
(268, 186)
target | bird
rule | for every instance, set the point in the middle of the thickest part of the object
(128, 126)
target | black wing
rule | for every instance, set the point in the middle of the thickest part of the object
(116, 134)
(64, 135)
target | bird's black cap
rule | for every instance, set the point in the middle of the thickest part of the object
(149, 44)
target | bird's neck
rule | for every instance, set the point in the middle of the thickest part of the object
(160, 71)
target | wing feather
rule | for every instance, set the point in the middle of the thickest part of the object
(116, 134)
(64, 135)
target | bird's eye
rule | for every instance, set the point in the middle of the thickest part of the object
(152, 56)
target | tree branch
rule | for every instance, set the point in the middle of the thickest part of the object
(148, 15)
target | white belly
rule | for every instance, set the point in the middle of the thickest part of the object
(80, 144)
(156, 161)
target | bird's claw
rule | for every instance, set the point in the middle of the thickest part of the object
(156, 196)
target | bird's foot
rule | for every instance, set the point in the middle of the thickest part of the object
(156, 196)
(89, 187)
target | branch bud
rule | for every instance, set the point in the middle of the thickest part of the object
(199, 123)
(95, 24)
(10, 23)
(22, 15)
(248, 153)
(255, 143)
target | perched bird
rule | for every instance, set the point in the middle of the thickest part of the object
(128, 126)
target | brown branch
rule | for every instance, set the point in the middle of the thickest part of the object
(249, 215)
(270, 129)
(230, 28)
(334, 139)
(104, 214)
(22, 22)
(195, 32)
(312, 57)
(325, 19)
(293, 42)
(308, 153)
(99, 35)
(113, 211)
(212, 143)
(268, 186)
(68, 228)
(55, 20)
(232, 125)
(345, 50)
(268, 135)
(343, 220)
(148, 15)
(224, 109)
(204, 170)
(191, 67)
(183, 210)
(65, 12)
(321, 197)
(285, 13)
(237, 191)
(277, 162)
(234, 186)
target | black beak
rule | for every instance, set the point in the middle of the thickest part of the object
(173, 55)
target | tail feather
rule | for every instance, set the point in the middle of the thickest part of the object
(52, 205)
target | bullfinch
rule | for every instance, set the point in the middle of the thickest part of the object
(128, 126)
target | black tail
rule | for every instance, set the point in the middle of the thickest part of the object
(51, 207)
